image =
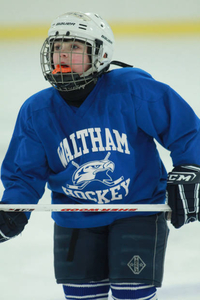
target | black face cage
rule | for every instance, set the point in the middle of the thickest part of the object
(69, 81)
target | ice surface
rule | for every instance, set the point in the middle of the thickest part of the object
(26, 267)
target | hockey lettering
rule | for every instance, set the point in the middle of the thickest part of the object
(91, 140)
(117, 192)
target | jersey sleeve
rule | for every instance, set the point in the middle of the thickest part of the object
(167, 117)
(24, 171)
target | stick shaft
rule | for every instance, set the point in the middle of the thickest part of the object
(86, 207)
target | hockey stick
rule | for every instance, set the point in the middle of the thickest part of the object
(86, 207)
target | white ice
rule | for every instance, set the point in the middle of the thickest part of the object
(26, 262)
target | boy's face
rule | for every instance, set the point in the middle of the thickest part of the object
(72, 54)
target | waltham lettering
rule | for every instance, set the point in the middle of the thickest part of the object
(92, 139)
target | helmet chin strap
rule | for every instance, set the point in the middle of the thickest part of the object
(69, 81)
(66, 80)
(120, 64)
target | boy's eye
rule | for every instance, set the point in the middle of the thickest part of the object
(57, 47)
(60, 47)
(74, 46)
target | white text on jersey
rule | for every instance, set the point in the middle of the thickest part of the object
(92, 139)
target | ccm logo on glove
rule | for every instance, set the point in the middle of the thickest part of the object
(176, 176)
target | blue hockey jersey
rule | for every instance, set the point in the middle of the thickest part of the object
(104, 151)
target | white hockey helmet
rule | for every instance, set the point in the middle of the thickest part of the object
(88, 28)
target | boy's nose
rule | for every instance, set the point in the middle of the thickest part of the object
(64, 54)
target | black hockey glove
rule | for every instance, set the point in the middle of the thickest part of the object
(183, 192)
(11, 224)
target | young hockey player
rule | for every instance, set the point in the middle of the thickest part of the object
(91, 138)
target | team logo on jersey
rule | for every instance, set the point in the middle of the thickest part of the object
(96, 170)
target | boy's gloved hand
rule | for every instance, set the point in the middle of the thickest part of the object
(183, 192)
(11, 224)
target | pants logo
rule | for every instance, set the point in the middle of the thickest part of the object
(136, 264)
